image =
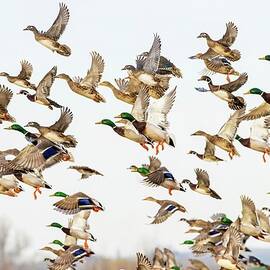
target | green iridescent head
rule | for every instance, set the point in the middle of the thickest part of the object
(266, 57)
(237, 137)
(59, 194)
(57, 242)
(126, 116)
(106, 122)
(254, 91)
(18, 128)
(188, 242)
(226, 221)
(55, 225)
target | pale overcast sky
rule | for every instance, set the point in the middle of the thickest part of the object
(119, 30)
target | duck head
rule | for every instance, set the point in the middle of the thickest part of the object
(55, 225)
(59, 194)
(186, 181)
(4, 74)
(17, 128)
(30, 28)
(133, 168)
(23, 92)
(254, 91)
(63, 76)
(206, 79)
(196, 56)
(57, 242)
(151, 199)
(203, 35)
(106, 122)
(32, 124)
(199, 133)
(126, 116)
(266, 57)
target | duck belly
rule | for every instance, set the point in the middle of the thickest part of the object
(21, 83)
(223, 144)
(169, 184)
(55, 137)
(147, 79)
(259, 146)
(48, 43)
(222, 95)
(133, 136)
(202, 191)
(227, 264)
(32, 180)
(155, 133)
(80, 234)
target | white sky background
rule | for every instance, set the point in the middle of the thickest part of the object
(119, 30)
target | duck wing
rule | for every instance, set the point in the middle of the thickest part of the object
(143, 263)
(260, 129)
(263, 221)
(209, 149)
(141, 104)
(151, 62)
(60, 23)
(5, 97)
(64, 120)
(249, 215)
(164, 212)
(154, 163)
(44, 87)
(202, 178)
(236, 84)
(156, 178)
(157, 112)
(94, 74)
(230, 34)
(26, 70)
(258, 112)
(228, 130)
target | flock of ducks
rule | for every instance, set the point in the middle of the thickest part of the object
(147, 89)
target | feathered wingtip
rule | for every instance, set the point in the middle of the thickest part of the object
(201, 89)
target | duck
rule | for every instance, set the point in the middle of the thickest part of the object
(167, 209)
(260, 111)
(209, 153)
(151, 121)
(22, 79)
(197, 223)
(259, 135)
(5, 97)
(55, 132)
(224, 92)
(50, 38)
(10, 187)
(203, 184)
(87, 87)
(85, 171)
(128, 132)
(164, 178)
(265, 57)
(249, 224)
(143, 263)
(224, 138)
(122, 92)
(222, 46)
(218, 65)
(75, 203)
(69, 257)
(145, 169)
(43, 91)
(165, 66)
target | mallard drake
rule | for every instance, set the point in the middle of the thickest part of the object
(50, 38)
(10, 187)
(249, 224)
(151, 121)
(218, 65)
(226, 134)
(85, 171)
(5, 97)
(203, 184)
(164, 178)
(167, 208)
(122, 93)
(143, 263)
(221, 218)
(22, 79)
(260, 111)
(75, 203)
(43, 91)
(209, 153)
(127, 132)
(228, 257)
(69, 257)
(224, 92)
(87, 87)
(55, 132)
(145, 169)
(266, 57)
(165, 66)
(222, 46)
(259, 135)
(170, 260)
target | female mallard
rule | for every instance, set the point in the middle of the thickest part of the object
(87, 87)
(22, 79)
(50, 38)
(75, 203)
(224, 92)
(203, 184)
(145, 169)
(127, 132)
(68, 258)
(226, 134)
(259, 135)
(222, 46)
(10, 187)
(43, 91)
(55, 132)
(218, 65)
(5, 98)
(122, 93)
(164, 178)
(167, 208)
(85, 171)
(209, 153)
(197, 223)
(260, 111)
(151, 121)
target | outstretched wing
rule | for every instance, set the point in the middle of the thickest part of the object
(230, 34)
(141, 104)
(60, 23)
(257, 112)
(26, 70)
(64, 121)
(236, 84)
(202, 178)
(5, 97)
